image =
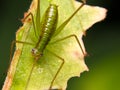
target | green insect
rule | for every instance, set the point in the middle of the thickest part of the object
(47, 28)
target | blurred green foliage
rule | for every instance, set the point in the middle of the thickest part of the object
(102, 44)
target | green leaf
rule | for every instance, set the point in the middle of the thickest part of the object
(46, 68)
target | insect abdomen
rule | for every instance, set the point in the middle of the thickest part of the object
(48, 26)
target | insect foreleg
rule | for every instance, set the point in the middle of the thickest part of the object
(63, 61)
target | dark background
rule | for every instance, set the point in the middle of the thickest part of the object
(102, 43)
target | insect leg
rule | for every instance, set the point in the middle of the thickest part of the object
(63, 61)
(11, 49)
(61, 27)
(37, 22)
(30, 14)
(2, 78)
(30, 74)
(72, 35)
(12, 45)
